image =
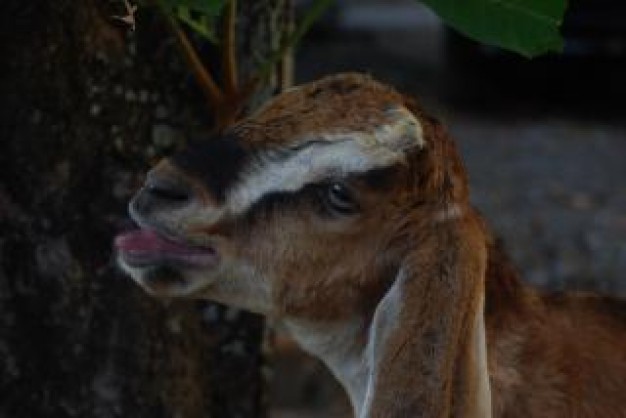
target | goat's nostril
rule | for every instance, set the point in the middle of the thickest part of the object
(167, 191)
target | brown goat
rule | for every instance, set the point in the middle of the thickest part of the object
(341, 210)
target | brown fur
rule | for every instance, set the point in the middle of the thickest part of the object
(333, 105)
(417, 235)
(553, 355)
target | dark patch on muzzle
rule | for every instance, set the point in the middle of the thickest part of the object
(216, 162)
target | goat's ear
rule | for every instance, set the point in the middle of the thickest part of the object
(426, 347)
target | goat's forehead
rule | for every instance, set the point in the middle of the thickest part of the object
(396, 129)
(331, 107)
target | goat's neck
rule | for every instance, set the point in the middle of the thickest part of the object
(345, 350)
(341, 346)
(421, 351)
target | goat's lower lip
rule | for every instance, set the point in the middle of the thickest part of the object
(145, 247)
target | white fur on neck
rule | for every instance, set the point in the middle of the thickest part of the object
(355, 363)
(338, 346)
(342, 348)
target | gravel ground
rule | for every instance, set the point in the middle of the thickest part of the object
(555, 191)
(549, 178)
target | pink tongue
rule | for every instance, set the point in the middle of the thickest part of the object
(148, 242)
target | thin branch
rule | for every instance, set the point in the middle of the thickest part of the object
(229, 50)
(130, 19)
(286, 67)
(204, 78)
(313, 14)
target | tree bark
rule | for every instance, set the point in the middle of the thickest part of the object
(85, 107)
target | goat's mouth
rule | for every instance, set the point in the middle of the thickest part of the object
(146, 247)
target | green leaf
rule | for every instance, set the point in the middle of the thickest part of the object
(200, 15)
(203, 25)
(528, 27)
(211, 8)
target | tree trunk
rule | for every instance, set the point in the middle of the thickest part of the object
(85, 107)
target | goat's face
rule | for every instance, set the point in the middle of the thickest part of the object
(300, 209)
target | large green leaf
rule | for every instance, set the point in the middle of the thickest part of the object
(529, 27)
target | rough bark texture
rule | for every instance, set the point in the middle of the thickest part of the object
(85, 108)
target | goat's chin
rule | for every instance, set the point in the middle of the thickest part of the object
(168, 279)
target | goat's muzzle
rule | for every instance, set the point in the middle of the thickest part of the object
(158, 251)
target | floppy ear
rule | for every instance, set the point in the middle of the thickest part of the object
(426, 347)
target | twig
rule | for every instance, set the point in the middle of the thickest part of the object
(313, 14)
(204, 77)
(206, 81)
(229, 51)
(129, 19)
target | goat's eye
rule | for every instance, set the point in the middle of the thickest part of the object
(339, 199)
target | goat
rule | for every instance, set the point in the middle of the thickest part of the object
(341, 210)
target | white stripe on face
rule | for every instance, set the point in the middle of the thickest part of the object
(327, 156)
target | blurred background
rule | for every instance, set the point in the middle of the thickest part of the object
(544, 142)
